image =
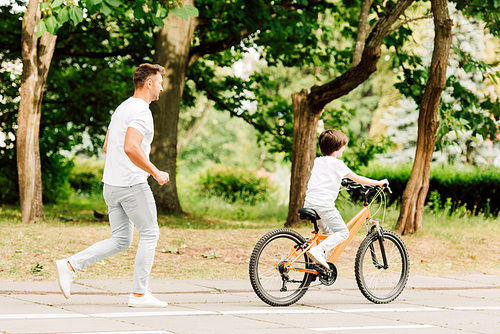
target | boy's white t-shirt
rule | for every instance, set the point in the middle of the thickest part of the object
(324, 184)
(119, 170)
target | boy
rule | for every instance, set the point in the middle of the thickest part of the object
(323, 188)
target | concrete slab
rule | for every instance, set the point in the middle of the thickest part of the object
(69, 326)
(442, 283)
(210, 324)
(41, 287)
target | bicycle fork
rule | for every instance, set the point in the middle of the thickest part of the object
(375, 225)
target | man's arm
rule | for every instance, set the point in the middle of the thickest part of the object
(364, 180)
(134, 151)
(105, 147)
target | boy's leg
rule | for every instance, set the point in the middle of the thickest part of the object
(334, 221)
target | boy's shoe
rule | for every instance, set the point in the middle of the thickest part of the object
(318, 256)
(148, 300)
(64, 277)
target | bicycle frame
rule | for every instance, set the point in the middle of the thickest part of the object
(353, 225)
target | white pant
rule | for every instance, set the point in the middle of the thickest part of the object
(127, 206)
(331, 222)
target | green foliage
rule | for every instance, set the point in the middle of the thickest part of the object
(235, 184)
(450, 186)
(86, 177)
(56, 172)
(360, 155)
(55, 14)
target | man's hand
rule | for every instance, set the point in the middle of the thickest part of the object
(161, 177)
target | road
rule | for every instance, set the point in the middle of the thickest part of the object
(468, 304)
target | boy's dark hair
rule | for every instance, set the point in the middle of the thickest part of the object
(331, 141)
(144, 71)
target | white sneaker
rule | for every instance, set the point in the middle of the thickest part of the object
(64, 277)
(318, 256)
(148, 300)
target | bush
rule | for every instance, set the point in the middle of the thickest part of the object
(473, 187)
(235, 184)
(56, 171)
(86, 177)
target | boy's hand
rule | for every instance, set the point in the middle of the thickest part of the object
(383, 183)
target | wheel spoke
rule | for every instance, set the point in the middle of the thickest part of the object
(268, 272)
(377, 284)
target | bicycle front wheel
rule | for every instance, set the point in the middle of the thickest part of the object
(377, 283)
(271, 278)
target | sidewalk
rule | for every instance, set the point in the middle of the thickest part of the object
(166, 286)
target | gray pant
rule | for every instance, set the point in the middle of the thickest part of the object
(127, 206)
(331, 222)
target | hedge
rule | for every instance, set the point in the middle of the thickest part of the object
(475, 187)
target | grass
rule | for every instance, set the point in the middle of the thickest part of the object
(215, 242)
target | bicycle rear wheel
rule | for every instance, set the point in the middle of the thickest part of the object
(378, 284)
(271, 280)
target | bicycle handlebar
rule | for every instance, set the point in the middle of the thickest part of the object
(350, 184)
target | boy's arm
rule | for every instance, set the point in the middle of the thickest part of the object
(364, 180)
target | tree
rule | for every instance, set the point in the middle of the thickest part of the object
(307, 107)
(36, 62)
(283, 29)
(410, 219)
(412, 203)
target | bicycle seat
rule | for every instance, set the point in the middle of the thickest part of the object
(308, 214)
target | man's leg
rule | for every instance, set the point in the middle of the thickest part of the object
(122, 231)
(143, 214)
(121, 239)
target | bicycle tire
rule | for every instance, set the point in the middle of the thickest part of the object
(379, 285)
(265, 276)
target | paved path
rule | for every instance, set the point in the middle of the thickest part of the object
(467, 304)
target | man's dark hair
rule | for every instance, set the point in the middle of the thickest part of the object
(144, 71)
(331, 141)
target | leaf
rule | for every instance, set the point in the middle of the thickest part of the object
(76, 15)
(63, 15)
(44, 5)
(40, 29)
(470, 67)
(158, 21)
(191, 10)
(96, 2)
(52, 24)
(180, 12)
(114, 3)
(56, 3)
(139, 13)
(104, 8)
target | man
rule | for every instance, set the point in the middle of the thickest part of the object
(126, 191)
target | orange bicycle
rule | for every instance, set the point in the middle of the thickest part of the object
(281, 272)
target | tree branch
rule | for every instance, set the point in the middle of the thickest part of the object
(354, 76)
(224, 44)
(363, 29)
(408, 21)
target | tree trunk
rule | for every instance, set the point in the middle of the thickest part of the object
(36, 63)
(172, 52)
(412, 203)
(305, 124)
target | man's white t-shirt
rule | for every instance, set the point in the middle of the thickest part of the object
(324, 184)
(119, 170)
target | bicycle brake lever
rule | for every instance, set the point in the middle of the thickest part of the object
(388, 189)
